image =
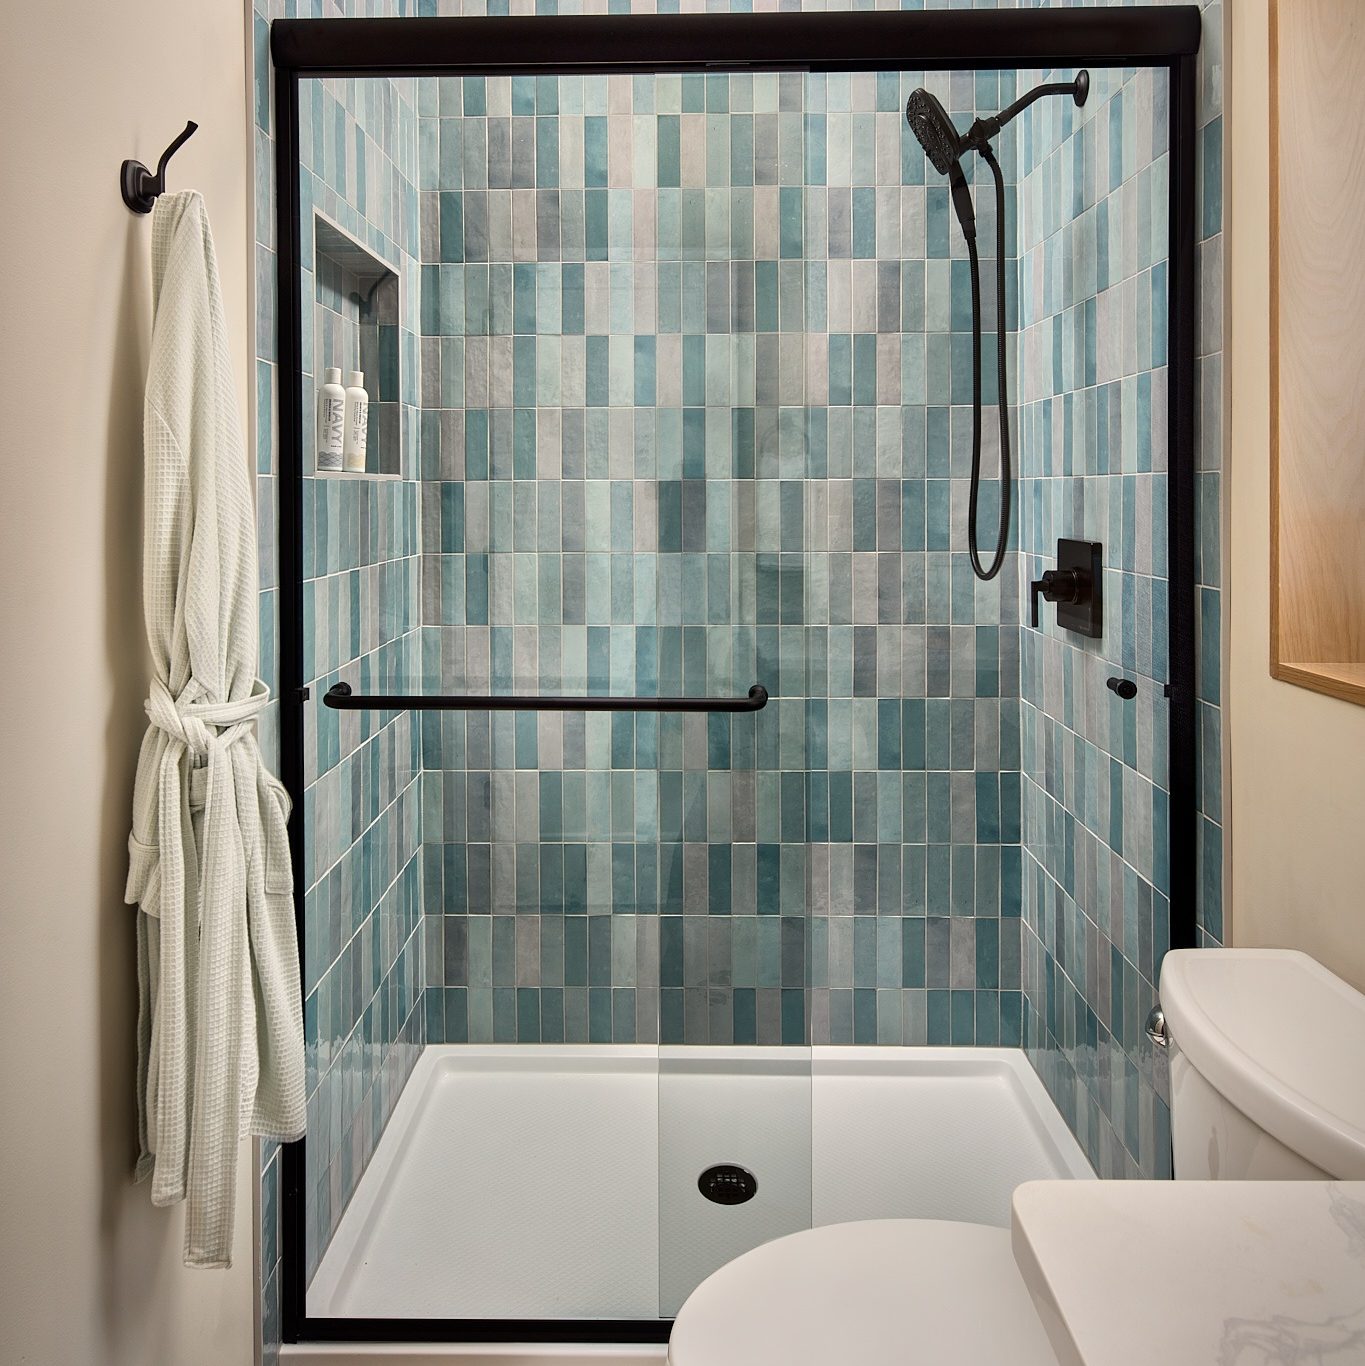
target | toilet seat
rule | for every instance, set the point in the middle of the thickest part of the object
(875, 1292)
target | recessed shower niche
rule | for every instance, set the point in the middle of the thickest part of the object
(356, 327)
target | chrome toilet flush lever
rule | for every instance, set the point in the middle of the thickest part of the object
(1075, 586)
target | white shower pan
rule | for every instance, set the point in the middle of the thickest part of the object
(553, 1182)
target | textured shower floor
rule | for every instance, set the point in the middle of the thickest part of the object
(561, 1182)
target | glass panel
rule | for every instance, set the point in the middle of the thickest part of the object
(670, 394)
(1096, 888)
(734, 1066)
(362, 810)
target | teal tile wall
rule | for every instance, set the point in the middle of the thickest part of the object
(1096, 885)
(1209, 543)
(696, 368)
(1093, 465)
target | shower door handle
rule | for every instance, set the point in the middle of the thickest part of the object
(340, 697)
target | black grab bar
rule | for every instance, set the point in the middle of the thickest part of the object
(340, 696)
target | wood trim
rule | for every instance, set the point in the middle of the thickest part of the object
(1333, 677)
(1273, 105)
(1344, 681)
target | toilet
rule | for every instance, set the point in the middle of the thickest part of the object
(1264, 1051)
(1265, 1067)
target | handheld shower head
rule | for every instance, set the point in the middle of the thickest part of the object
(943, 145)
(930, 123)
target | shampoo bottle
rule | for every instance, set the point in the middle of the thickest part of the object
(331, 420)
(357, 421)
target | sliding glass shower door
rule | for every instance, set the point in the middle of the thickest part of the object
(708, 744)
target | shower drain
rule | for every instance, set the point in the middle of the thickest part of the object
(727, 1184)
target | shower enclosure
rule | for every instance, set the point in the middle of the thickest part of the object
(670, 798)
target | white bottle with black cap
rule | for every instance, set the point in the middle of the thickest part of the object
(331, 420)
(357, 422)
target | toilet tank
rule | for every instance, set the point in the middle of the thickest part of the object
(1267, 1057)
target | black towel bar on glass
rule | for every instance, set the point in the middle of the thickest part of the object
(340, 696)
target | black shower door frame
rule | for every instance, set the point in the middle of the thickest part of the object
(1153, 36)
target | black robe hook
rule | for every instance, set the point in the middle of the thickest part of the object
(140, 187)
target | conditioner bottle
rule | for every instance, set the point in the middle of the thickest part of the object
(357, 422)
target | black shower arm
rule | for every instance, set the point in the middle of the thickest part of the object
(982, 130)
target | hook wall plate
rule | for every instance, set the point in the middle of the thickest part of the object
(139, 186)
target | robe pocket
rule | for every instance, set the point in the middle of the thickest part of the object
(144, 876)
(275, 808)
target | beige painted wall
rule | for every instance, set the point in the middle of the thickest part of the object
(1297, 758)
(90, 1274)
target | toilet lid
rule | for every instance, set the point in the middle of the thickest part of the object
(876, 1292)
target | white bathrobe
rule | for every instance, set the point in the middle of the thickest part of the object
(220, 1025)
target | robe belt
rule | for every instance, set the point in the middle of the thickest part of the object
(209, 731)
(202, 725)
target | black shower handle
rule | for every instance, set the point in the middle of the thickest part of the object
(1057, 585)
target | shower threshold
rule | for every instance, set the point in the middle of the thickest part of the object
(561, 1181)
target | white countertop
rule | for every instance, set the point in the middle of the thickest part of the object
(1211, 1273)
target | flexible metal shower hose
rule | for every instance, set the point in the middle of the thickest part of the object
(1003, 395)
